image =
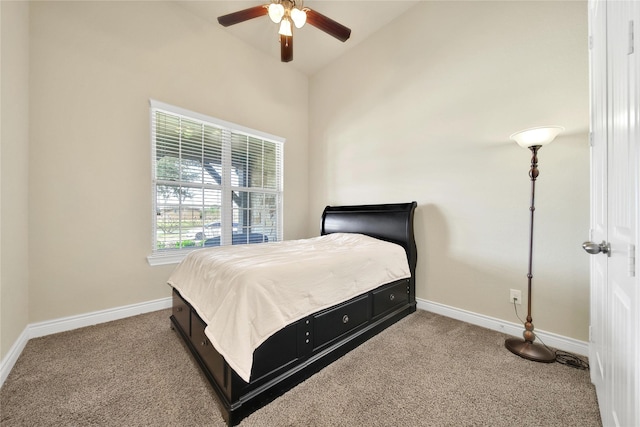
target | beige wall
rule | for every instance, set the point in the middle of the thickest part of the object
(94, 66)
(14, 178)
(423, 111)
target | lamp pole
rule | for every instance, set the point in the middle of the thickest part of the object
(526, 347)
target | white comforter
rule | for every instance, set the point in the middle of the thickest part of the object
(246, 293)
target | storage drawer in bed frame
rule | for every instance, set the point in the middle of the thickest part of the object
(210, 356)
(388, 297)
(182, 313)
(293, 353)
(331, 324)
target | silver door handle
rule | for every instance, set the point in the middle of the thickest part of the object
(596, 248)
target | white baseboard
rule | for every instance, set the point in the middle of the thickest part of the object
(40, 329)
(12, 357)
(552, 340)
(64, 324)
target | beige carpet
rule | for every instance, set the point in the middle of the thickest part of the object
(427, 370)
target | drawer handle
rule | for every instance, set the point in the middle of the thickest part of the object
(204, 343)
(392, 297)
(178, 309)
(345, 318)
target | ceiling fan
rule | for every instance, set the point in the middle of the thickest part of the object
(286, 13)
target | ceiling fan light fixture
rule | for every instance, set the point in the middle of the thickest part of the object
(285, 28)
(276, 12)
(299, 17)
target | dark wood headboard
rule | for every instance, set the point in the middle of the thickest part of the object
(390, 222)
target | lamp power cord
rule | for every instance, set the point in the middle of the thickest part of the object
(562, 357)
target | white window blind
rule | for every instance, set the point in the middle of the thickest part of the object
(214, 183)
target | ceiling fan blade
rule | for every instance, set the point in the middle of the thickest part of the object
(327, 25)
(286, 48)
(243, 15)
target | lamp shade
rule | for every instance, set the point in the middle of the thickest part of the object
(536, 136)
(285, 27)
(276, 12)
(299, 17)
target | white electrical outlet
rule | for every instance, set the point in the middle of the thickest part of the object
(515, 294)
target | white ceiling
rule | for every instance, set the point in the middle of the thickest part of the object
(312, 48)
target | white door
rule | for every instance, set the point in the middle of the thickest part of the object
(615, 321)
(623, 207)
(598, 100)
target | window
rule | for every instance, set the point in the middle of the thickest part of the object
(214, 183)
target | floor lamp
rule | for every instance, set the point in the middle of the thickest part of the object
(533, 139)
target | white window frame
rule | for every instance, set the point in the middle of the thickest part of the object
(172, 256)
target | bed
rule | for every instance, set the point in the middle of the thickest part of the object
(315, 339)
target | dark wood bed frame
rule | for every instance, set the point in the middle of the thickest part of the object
(303, 348)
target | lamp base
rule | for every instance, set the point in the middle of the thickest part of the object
(530, 350)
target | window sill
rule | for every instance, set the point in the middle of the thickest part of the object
(165, 258)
